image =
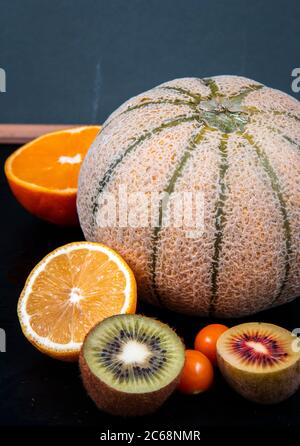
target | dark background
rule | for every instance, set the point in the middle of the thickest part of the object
(75, 61)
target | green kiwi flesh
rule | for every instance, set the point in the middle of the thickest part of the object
(260, 361)
(130, 364)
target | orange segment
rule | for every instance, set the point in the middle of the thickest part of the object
(69, 291)
(43, 174)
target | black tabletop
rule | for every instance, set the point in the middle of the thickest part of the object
(36, 390)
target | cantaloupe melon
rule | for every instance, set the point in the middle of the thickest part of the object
(238, 143)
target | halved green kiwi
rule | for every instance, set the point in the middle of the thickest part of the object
(130, 364)
(260, 361)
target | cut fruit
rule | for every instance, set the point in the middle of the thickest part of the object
(259, 361)
(130, 364)
(69, 291)
(43, 174)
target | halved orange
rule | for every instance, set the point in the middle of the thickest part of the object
(43, 174)
(69, 291)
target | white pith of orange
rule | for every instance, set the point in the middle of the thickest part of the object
(92, 302)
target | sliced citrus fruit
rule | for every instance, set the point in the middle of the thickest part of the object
(69, 291)
(43, 174)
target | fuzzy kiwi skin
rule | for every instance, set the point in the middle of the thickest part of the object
(121, 403)
(263, 388)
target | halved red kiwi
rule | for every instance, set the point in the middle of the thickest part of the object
(259, 361)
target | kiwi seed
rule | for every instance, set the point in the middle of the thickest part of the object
(130, 364)
(259, 362)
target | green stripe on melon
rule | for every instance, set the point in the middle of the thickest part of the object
(184, 91)
(169, 189)
(108, 174)
(159, 102)
(214, 89)
(219, 222)
(275, 184)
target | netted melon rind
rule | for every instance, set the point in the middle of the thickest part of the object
(256, 262)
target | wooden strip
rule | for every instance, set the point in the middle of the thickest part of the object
(22, 133)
